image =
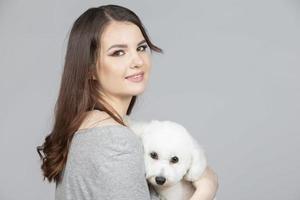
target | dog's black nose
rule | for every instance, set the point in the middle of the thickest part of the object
(160, 180)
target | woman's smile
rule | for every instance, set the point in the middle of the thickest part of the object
(138, 77)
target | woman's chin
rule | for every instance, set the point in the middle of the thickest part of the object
(136, 89)
(137, 92)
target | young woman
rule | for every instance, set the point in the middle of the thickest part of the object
(91, 153)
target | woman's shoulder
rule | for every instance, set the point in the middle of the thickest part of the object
(114, 133)
(99, 131)
(105, 140)
(99, 155)
(108, 134)
(97, 118)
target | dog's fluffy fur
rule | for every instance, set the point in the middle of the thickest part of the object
(168, 140)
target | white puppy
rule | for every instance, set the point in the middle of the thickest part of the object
(173, 159)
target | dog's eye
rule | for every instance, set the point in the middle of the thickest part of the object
(154, 155)
(174, 159)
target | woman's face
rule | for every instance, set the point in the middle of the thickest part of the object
(123, 52)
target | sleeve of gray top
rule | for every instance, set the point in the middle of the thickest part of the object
(120, 167)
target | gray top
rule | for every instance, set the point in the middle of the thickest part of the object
(105, 163)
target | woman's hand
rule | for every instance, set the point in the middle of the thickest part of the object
(206, 186)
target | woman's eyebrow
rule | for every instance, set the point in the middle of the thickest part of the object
(124, 45)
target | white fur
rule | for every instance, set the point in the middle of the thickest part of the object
(169, 139)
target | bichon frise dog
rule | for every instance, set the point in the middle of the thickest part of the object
(173, 159)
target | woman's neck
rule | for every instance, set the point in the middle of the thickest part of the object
(119, 104)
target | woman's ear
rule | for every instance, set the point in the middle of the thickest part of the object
(198, 163)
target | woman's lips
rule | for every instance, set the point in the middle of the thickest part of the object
(136, 78)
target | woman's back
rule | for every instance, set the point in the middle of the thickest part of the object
(104, 162)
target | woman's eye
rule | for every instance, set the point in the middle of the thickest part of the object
(118, 53)
(143, 48)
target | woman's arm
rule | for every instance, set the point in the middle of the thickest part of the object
(206, 186)
(122, 170)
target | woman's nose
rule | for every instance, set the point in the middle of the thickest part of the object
(137, 60)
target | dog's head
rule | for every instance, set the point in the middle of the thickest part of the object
(170, 153)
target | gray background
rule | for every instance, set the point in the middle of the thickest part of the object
(230, 75)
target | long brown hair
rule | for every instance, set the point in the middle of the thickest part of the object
(79, 92)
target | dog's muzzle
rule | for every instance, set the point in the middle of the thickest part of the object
(160, 180)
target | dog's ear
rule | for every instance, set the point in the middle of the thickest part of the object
(138, 127)
(198, 163)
